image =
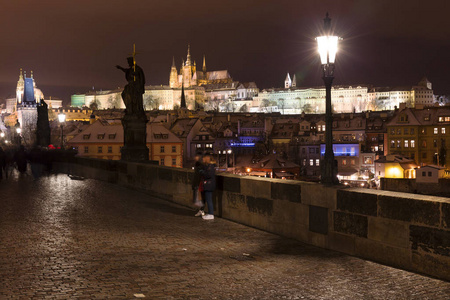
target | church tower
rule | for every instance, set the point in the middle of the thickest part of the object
(20, 88)
(287, 81)
(294, 81)
(173, 79)
(204, 66)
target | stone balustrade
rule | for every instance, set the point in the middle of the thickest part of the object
(407, 231)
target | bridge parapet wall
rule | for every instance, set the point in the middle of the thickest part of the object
(403, 230)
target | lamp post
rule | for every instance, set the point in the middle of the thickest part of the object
(328, 46)
(18, 131)
(62, 119)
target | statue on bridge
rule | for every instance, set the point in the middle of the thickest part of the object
(135, 121)
(133, 91)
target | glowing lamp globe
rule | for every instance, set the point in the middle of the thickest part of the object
(19, 130)
(62, 118)
(2, 134)
(327, 46)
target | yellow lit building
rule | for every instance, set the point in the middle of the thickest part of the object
(395, 166)
(104, 140)
(421, 134)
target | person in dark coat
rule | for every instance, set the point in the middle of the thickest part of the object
(196, 187)
(2, 162)
(209, 183)
(21, 159)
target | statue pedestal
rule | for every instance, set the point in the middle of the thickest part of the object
(135, 138)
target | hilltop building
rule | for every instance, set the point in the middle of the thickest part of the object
(190, 76)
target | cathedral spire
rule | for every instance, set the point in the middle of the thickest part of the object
(20, 75)
(173, 61)
(183, 97)
(204, 63)
(188, 58)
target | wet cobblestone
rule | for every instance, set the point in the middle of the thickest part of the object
(68, 239)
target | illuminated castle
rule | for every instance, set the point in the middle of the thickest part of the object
(190, 76)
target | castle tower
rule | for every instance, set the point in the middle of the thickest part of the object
(294, 81)
(173, 78)
(287, 81)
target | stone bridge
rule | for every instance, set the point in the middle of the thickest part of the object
(122, 239)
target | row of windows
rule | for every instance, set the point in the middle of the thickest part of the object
(311, 162)
(436, 130)
(99, 149)
(406, 143)
(162, 149)
(174, 161)
(405, 131)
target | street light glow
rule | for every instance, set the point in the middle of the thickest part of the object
(328, 47)
(62, 117)
(19, 130)
(2, 134)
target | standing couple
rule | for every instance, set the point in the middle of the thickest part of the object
(204, 184)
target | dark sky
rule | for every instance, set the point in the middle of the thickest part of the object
(74, 45)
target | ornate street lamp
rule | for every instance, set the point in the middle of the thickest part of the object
(328, 47)
(62, 119)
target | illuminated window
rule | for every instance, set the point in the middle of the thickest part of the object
(161, 149)
(399, 142)
(352, 161)
(443, 130)
(424, 131)
(317, 162)
(406, 143)
(392, 144)
(368, 160)
(413, 143)
(344, 162)
(435, 130)
(311, 162)
(304, 161)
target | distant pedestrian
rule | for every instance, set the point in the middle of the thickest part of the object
(2, 163)
(197, 191)
(209, 183)
(20, 158)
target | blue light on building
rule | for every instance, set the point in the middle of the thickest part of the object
(342, 149)
(242, 144)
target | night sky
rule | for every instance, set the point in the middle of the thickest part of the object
(74, 45)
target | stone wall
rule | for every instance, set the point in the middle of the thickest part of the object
(402, 230)
(441, 188)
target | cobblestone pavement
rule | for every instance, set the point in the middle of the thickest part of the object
(68, 239)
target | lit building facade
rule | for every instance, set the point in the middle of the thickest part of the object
(421, 134)
(104, 140)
